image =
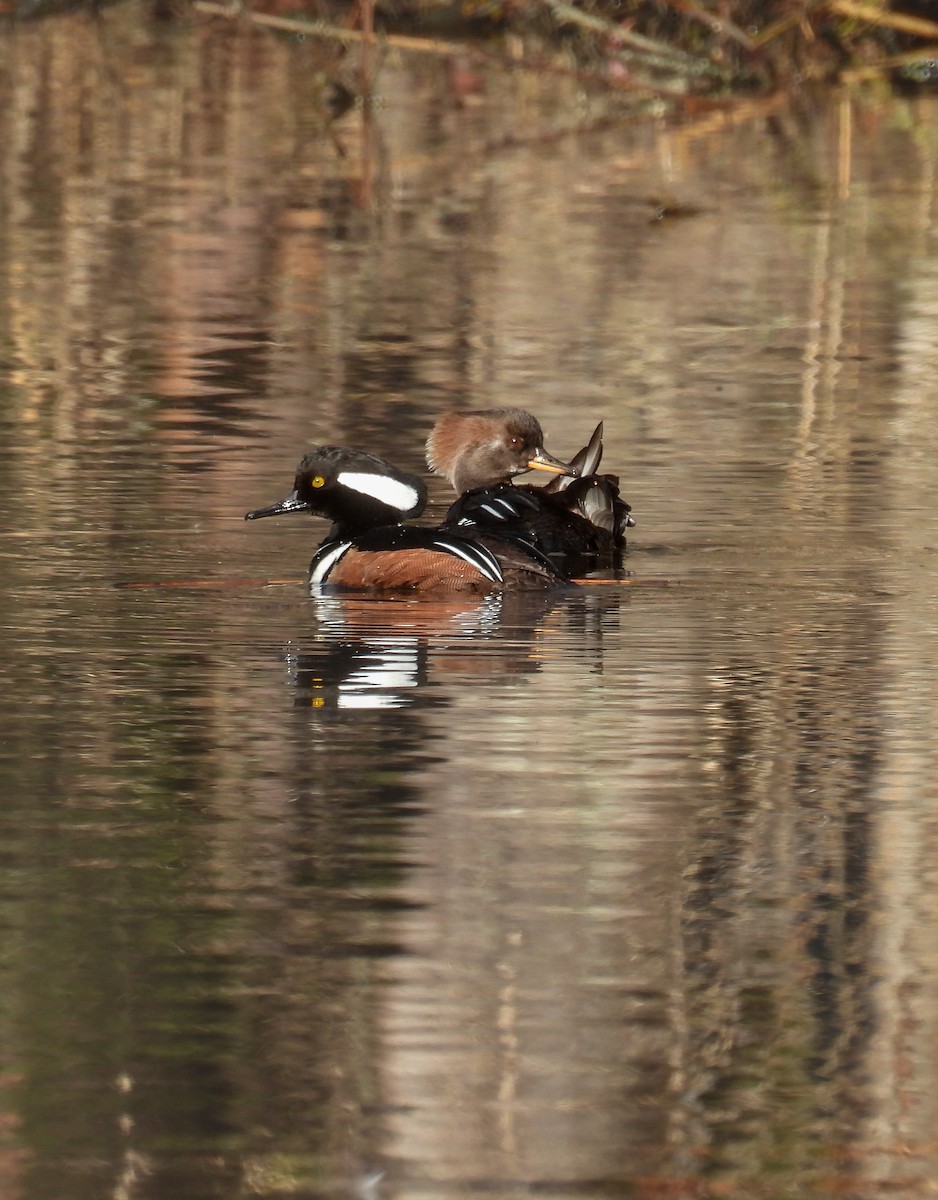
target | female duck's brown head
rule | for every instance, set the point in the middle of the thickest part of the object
(481, 448)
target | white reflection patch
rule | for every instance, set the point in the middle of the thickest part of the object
(381, 676)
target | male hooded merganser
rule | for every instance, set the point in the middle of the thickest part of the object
(594, 496)
(578, 515)
(369, 549)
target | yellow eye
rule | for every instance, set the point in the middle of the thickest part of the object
(317, 481)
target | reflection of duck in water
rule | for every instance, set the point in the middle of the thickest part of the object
(579, 516)
(497, 536)
(375, 652)
(393, 652)
(369, 549)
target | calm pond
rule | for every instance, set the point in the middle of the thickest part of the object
(625, 892)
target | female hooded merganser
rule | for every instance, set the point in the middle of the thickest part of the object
(578, 515)
(369, 549)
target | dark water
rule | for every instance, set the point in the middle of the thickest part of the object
(630, 892)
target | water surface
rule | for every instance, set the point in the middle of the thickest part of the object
(621, 892)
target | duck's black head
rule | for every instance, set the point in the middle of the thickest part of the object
(354, 490)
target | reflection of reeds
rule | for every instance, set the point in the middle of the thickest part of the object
(655, 868)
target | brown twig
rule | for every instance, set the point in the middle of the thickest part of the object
(918, 26)
(324, 29)
(136, 585)
(367, 13)
(716, 24)
(652, 52)
(872, 70)
(776, 29)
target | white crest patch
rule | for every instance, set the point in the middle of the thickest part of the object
(389, 491)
